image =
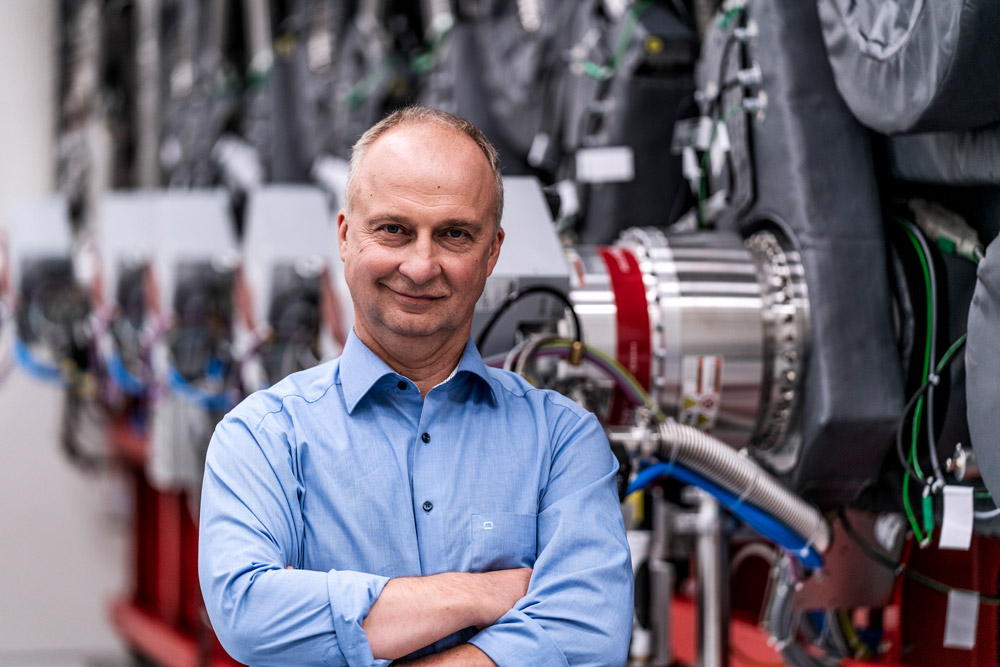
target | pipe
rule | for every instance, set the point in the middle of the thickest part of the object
(754, 517)
(744, 477)
(713, 586)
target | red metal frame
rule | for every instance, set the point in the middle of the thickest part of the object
(162, 618)
(912, 624)
(923, 609)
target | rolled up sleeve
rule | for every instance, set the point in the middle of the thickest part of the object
(579, 605)
(250, 530)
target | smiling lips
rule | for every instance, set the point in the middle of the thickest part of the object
(415, 298)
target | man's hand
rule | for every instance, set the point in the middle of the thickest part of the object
(504, 589)
(413, 612)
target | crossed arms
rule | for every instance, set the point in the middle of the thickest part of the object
(575, 607)
(413, 612)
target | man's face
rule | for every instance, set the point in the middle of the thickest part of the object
(420, 239)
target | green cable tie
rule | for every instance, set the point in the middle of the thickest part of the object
(595, 71)
(910, 516)
(729, 16)
(947, 245)
(928, 507)
(703, 176)
(605, 72)
(917, 414)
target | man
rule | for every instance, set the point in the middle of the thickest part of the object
(404, 497)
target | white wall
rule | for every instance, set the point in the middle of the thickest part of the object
(63, 553)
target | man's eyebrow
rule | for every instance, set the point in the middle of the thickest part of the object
(460, 222)
(449, 223)
(386, 217)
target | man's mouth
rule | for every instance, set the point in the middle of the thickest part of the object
(414, 297)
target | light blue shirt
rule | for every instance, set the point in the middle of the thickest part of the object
(345, 473)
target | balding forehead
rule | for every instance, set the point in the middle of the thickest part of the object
(425, 116)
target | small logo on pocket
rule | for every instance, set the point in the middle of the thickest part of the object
(487, 525)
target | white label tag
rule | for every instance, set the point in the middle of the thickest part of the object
(956, 525)
(700, 391)
(689, 164)
(961, 619)
(704, 137)
(720, 146)
(539, 146)
(722, 137)
(606, 164)
(569, 200)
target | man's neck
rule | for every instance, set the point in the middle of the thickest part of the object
(426, 361)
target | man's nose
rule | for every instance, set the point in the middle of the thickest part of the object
(421, 263)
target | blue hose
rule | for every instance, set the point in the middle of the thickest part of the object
(220, 402)
(763, 523)
(27, 362)
(128, 383)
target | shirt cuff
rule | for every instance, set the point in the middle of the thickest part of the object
(352, 595)
(515, 638)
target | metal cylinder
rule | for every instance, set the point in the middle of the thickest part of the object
(713, 586)
(714, 328)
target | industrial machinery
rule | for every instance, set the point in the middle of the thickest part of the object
(288, 249)
(755, 237)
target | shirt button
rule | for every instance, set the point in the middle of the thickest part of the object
(426, 437)
(401, 384)
(428, 506)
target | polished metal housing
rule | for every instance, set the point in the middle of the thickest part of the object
(714, 303)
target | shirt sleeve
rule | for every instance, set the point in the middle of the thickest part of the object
(579, 605)
(250, 530)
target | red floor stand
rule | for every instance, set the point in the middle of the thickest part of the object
(162, 619)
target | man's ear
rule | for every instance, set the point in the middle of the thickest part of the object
(494, 251)
(342, 233)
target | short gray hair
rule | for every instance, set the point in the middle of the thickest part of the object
(420, 114)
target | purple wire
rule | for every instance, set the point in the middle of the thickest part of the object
(620, 382)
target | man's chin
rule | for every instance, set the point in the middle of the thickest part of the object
(415, 327)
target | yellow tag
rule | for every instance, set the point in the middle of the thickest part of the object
(635, 501)
(653, 45)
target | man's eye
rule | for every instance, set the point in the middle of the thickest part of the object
(392, 229)
(455, 233)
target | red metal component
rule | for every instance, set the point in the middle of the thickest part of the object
(634, 346)
(748, 644)
(912, 624)
(977, 569)
(160, 642)
(163, 617)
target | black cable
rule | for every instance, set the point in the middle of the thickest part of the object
(516, 296)
(901, 568)
(720, 80)
(900, 452)
(863, 544)
(70, 428)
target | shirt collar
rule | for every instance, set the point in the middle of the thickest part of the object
(361, 369)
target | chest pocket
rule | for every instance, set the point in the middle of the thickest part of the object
(503, 540)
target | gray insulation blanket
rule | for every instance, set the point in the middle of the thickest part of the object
(982, 374)
(949, 158)
(916, 65)
(815, 177)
